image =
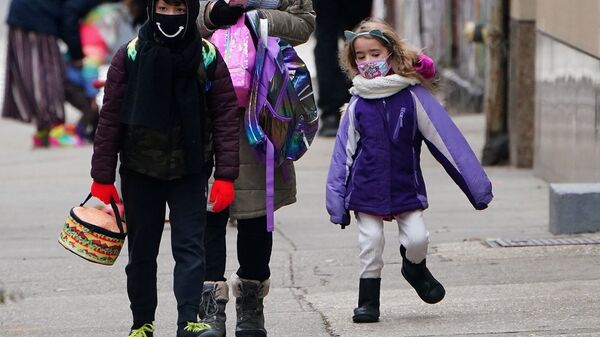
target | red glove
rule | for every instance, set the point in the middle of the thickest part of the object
(425, 66)
(105, 192)
(221, 194)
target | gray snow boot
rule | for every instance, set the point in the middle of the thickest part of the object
(249, 306)
(215, 296)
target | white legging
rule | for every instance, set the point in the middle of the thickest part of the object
(413, 236)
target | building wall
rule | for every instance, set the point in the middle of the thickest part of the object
(523, 10)
(576, 22)
(567, 120)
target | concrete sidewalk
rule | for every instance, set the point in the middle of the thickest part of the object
(540, 291)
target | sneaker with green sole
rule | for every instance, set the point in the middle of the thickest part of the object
(146, 330)
(193, 329)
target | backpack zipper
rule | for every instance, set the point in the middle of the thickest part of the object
(278, 102)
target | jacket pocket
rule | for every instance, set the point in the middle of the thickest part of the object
(350, 178)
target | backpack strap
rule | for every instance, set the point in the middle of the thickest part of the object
(270, 185)
(206, 70)
(131, 49)
(209, 53)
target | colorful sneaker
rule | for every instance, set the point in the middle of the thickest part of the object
(60, 136)
(40, 139)
(147, 330)
(193, 329)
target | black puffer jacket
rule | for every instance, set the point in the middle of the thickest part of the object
(221, 103)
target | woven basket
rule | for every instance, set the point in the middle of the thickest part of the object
(92, 234)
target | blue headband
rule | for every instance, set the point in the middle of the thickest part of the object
(351, 36)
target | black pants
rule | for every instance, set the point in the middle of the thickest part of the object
(333, 17)
(254, 246)
(145, 201)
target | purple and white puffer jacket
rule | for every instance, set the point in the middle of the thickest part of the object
(375, 166)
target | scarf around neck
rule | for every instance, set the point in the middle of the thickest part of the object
(380, 87)
(163, 89)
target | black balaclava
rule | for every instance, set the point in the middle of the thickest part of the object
(163, 90)
(172, 29)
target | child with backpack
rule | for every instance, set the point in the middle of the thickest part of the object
(292, 21)
(375, 167)
(168, 95)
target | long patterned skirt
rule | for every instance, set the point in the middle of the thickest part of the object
(35, 77)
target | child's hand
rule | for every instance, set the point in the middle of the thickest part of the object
(481, 206)
(343, 221)
(222, 14)
(425, 66)
(221, 194)
(105, 192)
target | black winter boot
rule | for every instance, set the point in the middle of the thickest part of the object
(428, 288)
(368, 301)
(249, 306)
(215, 296)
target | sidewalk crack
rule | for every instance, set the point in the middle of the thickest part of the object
(299, 293)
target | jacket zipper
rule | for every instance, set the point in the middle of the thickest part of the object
(385, 111)
(400, 123)
(389, 144)
(414, 135)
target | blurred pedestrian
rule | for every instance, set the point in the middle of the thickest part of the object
(333, 17)
(103, 31)
(35, 70)
(390, 115)
(293, 21)
(137, 10)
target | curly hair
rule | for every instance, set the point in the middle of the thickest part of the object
(403, 57)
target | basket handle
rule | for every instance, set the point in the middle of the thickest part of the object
(115, 210)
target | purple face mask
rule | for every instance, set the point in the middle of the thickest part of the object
(373, 68)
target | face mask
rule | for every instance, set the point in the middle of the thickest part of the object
(374, 68)
(171, 27)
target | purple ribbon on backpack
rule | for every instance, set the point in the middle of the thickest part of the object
(281, 120)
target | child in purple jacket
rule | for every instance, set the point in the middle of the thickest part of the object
(375, 167)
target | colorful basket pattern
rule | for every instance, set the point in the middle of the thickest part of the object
(91, 242)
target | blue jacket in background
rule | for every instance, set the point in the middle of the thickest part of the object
(59, 18)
